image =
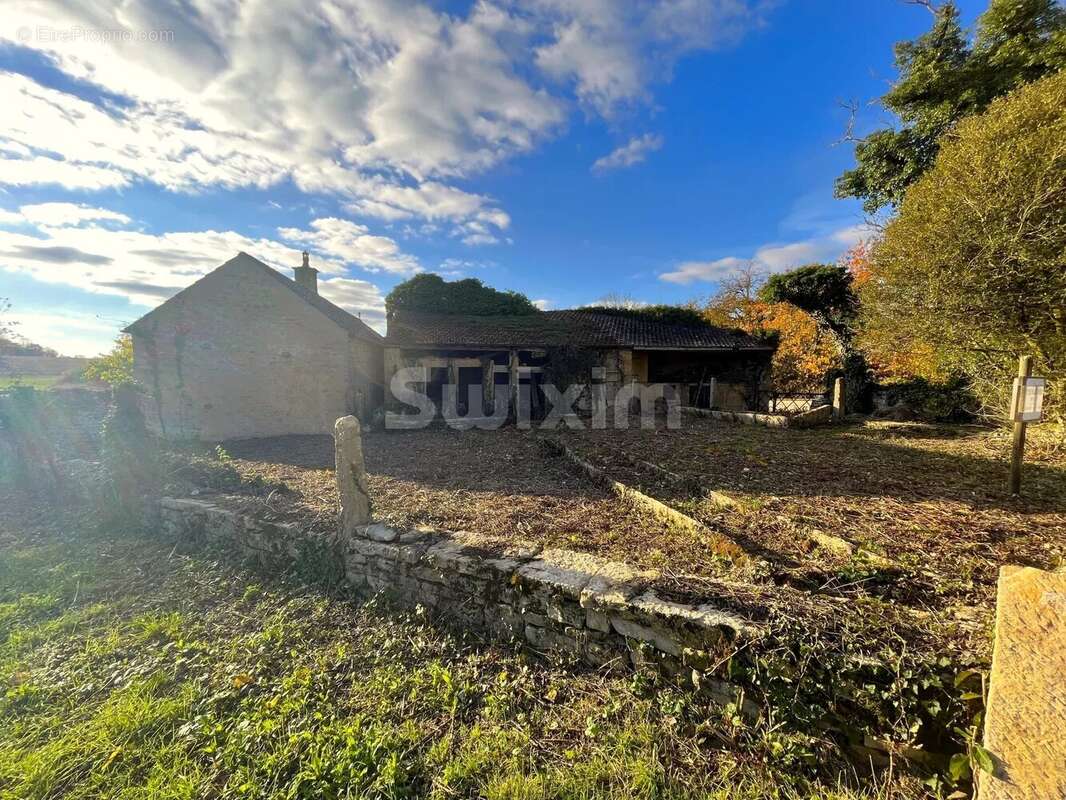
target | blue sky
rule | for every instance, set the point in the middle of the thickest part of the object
(567, 150)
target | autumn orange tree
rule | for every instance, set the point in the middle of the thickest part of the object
(805, 352)
(895, 353)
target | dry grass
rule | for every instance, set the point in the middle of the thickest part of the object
(924, 507)
(499, 483)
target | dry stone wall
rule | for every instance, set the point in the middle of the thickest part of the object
(602, 613)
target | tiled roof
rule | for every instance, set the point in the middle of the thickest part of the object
(349, 322)
(556, 328)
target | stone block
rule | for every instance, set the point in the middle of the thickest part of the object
(565, 612)
(659, 637)
(613, 588)
(600, 654)
(351, 476)
(533, 618)
(380, 532)
(597, 621)
(701, 626)
(1025, 720)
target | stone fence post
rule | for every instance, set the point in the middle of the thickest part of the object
(838, 399)
(351, 476)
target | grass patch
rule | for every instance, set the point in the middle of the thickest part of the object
(39, 382)
(131, 671)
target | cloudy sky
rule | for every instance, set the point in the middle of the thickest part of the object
(565, 149)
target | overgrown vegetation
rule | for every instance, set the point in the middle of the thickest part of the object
(975, 262)
(115, 368)
(129, 668)
(432, 294)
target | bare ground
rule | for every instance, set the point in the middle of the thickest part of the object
(923, 509)
(500, 483)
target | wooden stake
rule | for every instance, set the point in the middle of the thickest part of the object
(1025, 369)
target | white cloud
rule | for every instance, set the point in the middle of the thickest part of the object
(361, 298)
(62, 214)
(632, 152)
(705, 271)
(771, 257)
(543, 303)
(41, 171)
(382, 102)
(68, 333)
(612, 52)
(11, 217)
(148, 268)
(351, 243)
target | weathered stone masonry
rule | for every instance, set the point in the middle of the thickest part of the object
(598, 611)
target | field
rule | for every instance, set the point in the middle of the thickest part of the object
(34, 381)
(130, 669)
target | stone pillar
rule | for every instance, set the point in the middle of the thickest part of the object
(351, 476)
(838, 398)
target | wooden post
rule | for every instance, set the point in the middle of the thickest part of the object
(512, 372)
(488, 384)
(838, 398)
(1017, 453)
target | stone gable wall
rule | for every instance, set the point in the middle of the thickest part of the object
(238, 356)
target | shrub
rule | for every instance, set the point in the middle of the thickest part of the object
(115, 368)
(975, 262)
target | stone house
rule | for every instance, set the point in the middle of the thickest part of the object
(708, 366)
(248, 352)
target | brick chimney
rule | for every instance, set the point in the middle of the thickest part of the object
(306, 275)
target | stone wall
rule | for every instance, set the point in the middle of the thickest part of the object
(600, 612)
(236, 355)
(806, 419)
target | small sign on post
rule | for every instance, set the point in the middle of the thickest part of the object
(1026, 405)
(1030, 393)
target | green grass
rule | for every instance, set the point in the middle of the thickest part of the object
(128, 670)
(33, 381)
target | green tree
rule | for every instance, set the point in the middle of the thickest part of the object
(431, 293)
(975, 262)
(825, 292)
(822, 290)
(942, 80)
(115, 368)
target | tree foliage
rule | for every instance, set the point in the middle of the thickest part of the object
(942, 79)
(14, 345)
(805, 352)
(975, 262)
(115, 368)
(896, 355)
(825, 291)
(822, 290)
(431, 293)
